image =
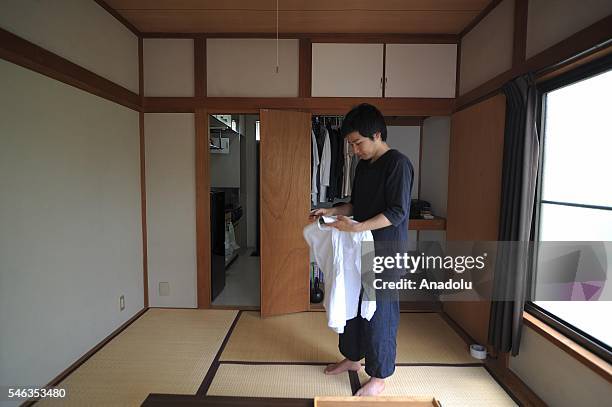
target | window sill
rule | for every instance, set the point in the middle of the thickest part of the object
(589, 359)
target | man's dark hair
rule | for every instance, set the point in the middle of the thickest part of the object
(366, 120)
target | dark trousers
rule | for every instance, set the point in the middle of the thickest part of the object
(374, 339)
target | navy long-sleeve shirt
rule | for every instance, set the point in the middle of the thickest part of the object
(384, 186)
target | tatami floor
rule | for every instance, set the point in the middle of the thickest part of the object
(226, 353)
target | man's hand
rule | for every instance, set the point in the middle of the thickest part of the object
(344, 224)
(317, 213)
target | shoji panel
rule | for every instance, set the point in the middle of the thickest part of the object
(474, 189)
(486, 50)
(246, 67)
(347, 70)
(171, 221)
(80, 31)
(550, 21)
(168, 67)
(421, 70)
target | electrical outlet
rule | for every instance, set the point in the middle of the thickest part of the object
(121, 303)
(164, 288)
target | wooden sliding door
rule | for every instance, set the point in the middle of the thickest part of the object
(285, 148)
(474, 192)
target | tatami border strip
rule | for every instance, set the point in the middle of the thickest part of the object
(354, 380)
(215, 364)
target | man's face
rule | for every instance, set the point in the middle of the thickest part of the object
(363, 147)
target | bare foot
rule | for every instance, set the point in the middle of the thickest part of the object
(336, 368)
(373, 387)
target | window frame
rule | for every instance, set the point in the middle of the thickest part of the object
(577, 335)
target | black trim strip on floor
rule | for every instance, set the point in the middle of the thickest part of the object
(354, 380)
(182, 400)
(476, 364)
(265, 363)
(248, 362)
(215, 364)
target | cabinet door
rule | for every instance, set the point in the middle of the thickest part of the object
(420, 70)
(285, 172)
(347, 70)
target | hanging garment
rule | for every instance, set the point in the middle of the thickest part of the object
(338, 255)
(324, 168)
(337, 163)
(314, 191)
(354, 162)
(346, 177)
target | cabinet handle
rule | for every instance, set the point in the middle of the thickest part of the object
(381, 82)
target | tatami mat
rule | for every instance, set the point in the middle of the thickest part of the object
(301, 337)
(427, 338)
(164, 351)
(287, 381)
(453, 386)
(305, 337)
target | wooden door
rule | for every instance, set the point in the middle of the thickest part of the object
(285, 148)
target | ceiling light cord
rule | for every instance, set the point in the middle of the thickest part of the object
(276, 36)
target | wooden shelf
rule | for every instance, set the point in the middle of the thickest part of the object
(427, 224)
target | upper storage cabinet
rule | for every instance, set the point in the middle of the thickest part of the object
(247, 68)
(420, 70)
(347, 70)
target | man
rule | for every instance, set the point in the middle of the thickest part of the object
(380, 202)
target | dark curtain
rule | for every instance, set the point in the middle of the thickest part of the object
(519, 175)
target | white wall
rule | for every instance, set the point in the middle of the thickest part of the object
(556, 377)
(434, 170)
(434, 165)
(246, 67)
(486, 51)
(406, 139)
(171, 225)
(168, 67)
(225, 168)
(80, 31)
(551, 21)
(71, 236)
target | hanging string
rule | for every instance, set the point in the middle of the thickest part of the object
(276, 36)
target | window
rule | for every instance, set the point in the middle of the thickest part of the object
(575, 192)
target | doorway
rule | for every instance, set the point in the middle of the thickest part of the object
(234, 213)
